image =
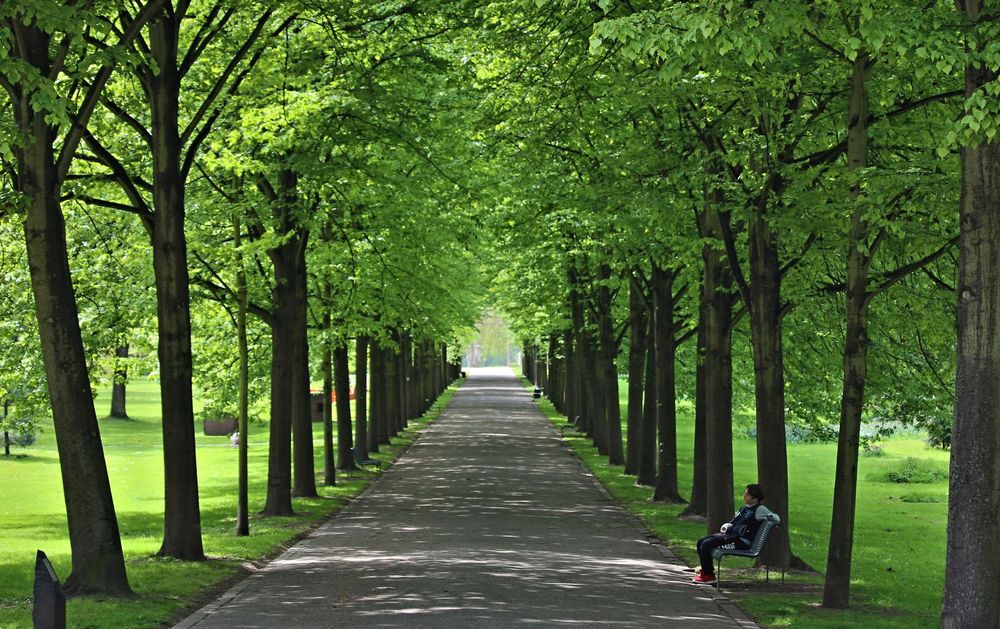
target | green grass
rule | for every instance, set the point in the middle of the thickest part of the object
(899, 541)
(32, 516)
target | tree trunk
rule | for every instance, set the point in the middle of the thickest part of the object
(304, 461)
(572, 397)
(376, 419)
(698, 505)
(242, 483)
(342, 378)
(406, 379)
(837, 587)
(638, 325)
(557, 378)
(361, 393)
(769, 383)
(608, 350)
(98, 565)
(119, 380)
(279, 460)
(718, 372)
(390, 385)
(647, 448)
(972, 573)
(182, 517)
(666, 395)
(586, 408)
(402, 380)
(329, 460)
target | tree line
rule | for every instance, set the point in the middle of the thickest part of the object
(774, 207)
(237, 198)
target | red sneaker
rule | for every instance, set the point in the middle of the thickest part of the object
(704, 578)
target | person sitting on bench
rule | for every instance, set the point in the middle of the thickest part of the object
(739, 531)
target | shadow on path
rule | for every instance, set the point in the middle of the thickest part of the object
(486, 521)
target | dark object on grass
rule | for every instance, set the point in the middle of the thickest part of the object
(537, 393)
(50, 603)
(220, 427)
(316, 406)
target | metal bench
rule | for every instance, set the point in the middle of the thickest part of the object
(361, 459)
(751, 553)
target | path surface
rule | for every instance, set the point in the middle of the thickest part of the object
(486, 521)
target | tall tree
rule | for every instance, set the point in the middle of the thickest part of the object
(972, 576)
(169, 68)
(38, 43)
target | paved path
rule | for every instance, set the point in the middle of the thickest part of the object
(486, 521)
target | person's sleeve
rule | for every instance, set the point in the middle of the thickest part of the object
(763, 512)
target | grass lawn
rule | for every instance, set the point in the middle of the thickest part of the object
(899, 540)
(32, 515)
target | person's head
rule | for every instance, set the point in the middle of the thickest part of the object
(753, 494)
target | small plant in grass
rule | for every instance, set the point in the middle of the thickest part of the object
(914, 470)
(921, 498)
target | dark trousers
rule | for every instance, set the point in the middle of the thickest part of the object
(707, 544)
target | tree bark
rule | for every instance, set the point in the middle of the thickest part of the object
(972, 573)
(279, 461)
(182, 516)
(404, 379)
(647, 451)
(638, 326)
(837, 586)
(718, 371)
(98, 565)
(572, 397)
(243, 412)
(769, 383)
(390, 385)
(666, 396)
(557, 366)
(376, 423)
(361, 393)
(342, 378)
(697, 506)
(608, 350)
(586, 406)
(304, 461)
(329, 460)
(119, 381)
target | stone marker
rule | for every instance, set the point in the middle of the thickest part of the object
(50, 603)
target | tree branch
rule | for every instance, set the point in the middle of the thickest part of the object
(89, 104)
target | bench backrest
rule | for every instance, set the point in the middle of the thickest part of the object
(762, 533)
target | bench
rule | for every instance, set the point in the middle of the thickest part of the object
(751, 553)
(361, 459)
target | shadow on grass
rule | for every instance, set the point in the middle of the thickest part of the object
(168, 588)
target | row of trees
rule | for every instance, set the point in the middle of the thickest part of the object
(750, 204)
(248, 193)
(756, 205)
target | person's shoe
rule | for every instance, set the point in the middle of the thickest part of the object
(704, 578)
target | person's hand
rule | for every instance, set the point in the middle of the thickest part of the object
(725, 527)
